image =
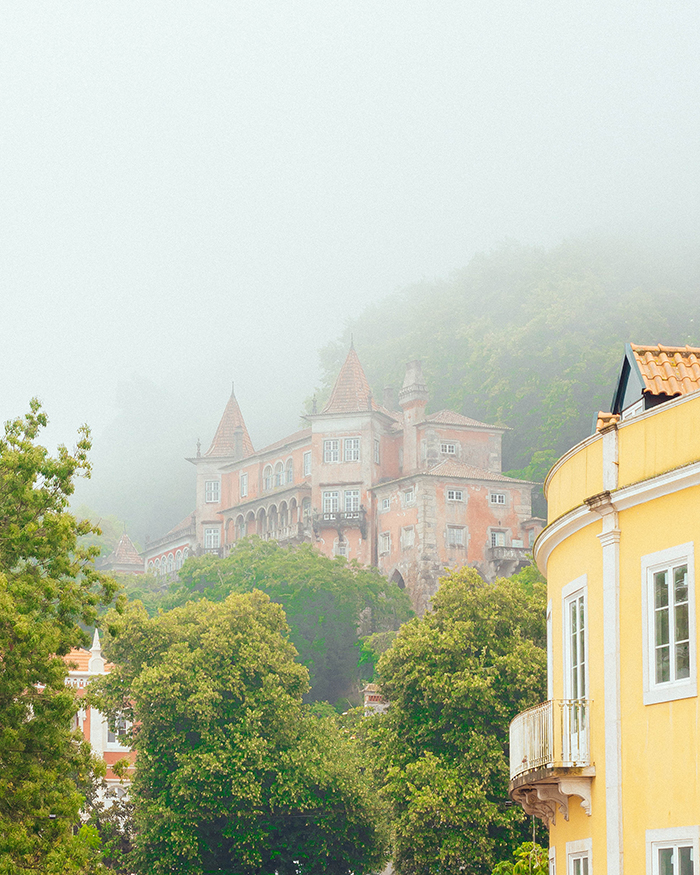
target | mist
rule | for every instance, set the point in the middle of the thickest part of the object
(201, 193)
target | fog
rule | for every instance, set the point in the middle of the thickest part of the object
(201, 192)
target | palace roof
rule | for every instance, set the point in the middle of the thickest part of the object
(231, 427)
(668, 370)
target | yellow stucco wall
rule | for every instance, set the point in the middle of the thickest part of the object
(660, 742)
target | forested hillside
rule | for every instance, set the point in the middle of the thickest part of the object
(529, 338)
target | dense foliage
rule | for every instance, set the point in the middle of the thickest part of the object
(455, 679)
(235, 775)
(329, 604)
(529, 338)
(47, 587)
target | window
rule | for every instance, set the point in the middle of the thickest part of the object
(376, 451)
(211, 539)
(455, 495)
(240, 528)
(455, 536)
(352, 500)
(267, 478)
(121, 728)
(672, 851)
(211, 490)
(307, 463)
(384, 542)
(290, 471)
(340, 548)
(306, 509)
(575, 639)
(668, 610)
(386, 504)
(351, 449)
(171, 562)
(498, 539)
(244, 485)
(578, 857)
(450, 449)
(408, 537)
(331, 451)
(331, 501)
(279, 474)
(497, 498)
(409, 496)
(552, 870)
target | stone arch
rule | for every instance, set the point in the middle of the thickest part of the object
(261, 522)
(279, 474)
(290, 470)
(267, 478)
(240, 529)
(397, 578)
(284, 515)
(293, 512)
(272, 518)
(250, 523)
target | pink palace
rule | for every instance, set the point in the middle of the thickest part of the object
(408, 492)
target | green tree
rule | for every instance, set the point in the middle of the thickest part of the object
(234, 774)
(455, 679)
(47, 587)
(329, 604)
(530, 859)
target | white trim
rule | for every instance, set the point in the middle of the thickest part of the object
(623, 499)
(575, 850)
(671, 837)
(572, 591)
(550, 653)
(552, 859)
(687, 687)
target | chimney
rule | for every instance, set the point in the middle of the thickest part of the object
(413, 398)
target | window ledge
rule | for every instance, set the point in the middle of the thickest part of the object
(671, 693)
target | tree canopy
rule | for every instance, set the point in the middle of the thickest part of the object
(329, 604)
(47, 588)
(529, 338)
(235, 775)
(455, 679)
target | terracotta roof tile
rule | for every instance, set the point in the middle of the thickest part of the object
(606, 419)
(451, 417)
(351, 391)
(290, 439)
(80, 657)
(125, 553)
(453, 468)
(184, 526)
(224, 443)
(668, 370)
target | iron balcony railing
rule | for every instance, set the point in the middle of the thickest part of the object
(551, 735)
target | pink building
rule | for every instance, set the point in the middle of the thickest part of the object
(409, 492)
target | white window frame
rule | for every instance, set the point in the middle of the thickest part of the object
(455, 495)
(377, 447)
(674, 837)
(386, 505)
(341, 548)
(351, 449)
(449, 448)
(579, 850)
(408, 537)
(351, 501)
(244, 485)
(267, 478)
(331, 451)
(384, 543)
(452, 531)
(307, 463)
(212, 491)
(212, 535)
(572, 592)
(552, 860)
(331, 501)
(408, 497)
(122, 727)
(493, 537)
(289, 467)
(683, 688)
(498, 498)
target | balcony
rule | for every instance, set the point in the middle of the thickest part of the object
(508, 560)
(341, 519)
(550, 758)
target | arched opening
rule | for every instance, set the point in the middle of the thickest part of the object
(279, 474)
(178, 560)
(272, 518)
(267, 478)
(397, 578)
(293, 512)
(284, 515)
(290, 471)
(240, 527)
(262, 521)
(250, 523)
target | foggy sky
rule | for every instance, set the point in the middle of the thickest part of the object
(201, 192)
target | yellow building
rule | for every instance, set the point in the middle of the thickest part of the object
(611, 760)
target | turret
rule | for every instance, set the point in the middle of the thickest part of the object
(413, 399)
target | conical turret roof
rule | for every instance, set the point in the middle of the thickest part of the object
(231, 425)
(351, 392)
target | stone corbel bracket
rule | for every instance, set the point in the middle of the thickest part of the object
(542, 800)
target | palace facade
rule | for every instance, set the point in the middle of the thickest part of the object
(387, 485)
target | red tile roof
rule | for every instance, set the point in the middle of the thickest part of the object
(224, 443)
(453, 468)
(124, 553)
(351, 392)
(185, 526)
(304, 433)
(451, 417)
(668, 370)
